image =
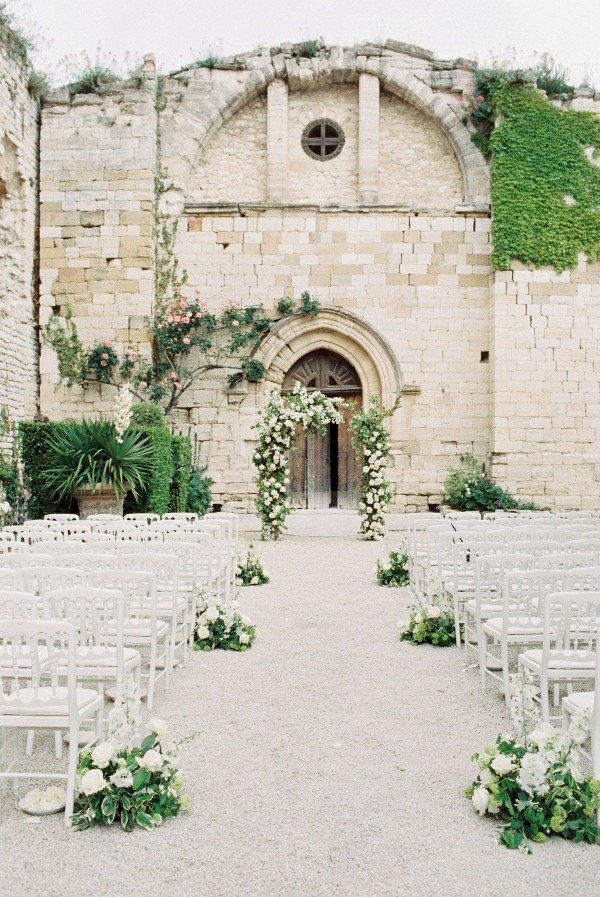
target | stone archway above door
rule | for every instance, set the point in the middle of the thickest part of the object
(340, 332)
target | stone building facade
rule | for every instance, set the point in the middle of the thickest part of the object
(389, 228)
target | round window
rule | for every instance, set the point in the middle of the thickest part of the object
(323, 139)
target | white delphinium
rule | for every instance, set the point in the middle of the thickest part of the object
(124, 722)
(122, 413)
(524, 707)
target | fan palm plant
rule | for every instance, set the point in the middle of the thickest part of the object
(86, 456)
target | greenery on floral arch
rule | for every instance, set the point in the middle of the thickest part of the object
(277, 435)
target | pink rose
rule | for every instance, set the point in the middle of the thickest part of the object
(143, 384)
(105, 355)
(198, 314)
(211, 349)
(103, 364)
(177, 318)
(134, 357)
(235, 323)
(186, 340)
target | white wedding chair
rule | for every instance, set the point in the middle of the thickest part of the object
(143, 518)
(35, 706)
(142, 626)
(103, 518)
(89, 560)
(9, 578)
(38, 579)
(568, 653)
(61, 518)
(141, 534)
(92, 538)
(184, 516)
(24, 559)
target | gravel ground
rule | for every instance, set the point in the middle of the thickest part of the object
(332, 761)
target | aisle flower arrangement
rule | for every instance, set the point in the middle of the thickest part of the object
(393, 571)
(372, 443)
(129, 778)
(431, 619)
(222, 625)
(250, 571)
(533, 782)
(276, 438)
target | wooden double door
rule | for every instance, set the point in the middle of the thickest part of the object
(324, 471)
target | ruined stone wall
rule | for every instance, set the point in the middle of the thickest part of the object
(97, 169)
(546, 373)
(416, 162)
(422, 282)
(18, 213)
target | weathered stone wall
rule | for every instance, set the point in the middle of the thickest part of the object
(234, 164)
(416, 162)
(546, 372)
(97, 169)
(336, 180)
(422, 282)
(18, 214)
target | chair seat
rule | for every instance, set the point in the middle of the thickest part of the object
(526, 626)
(164, 605)
(579, 700)
(140, 629)
(23, 661)
(487, 607)
(46, 701)
(560, 660)
(102, 656)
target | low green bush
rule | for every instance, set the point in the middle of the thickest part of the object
(199, 497)
(181, 454)
(469, 488)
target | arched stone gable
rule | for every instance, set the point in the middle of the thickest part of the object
(210, 99)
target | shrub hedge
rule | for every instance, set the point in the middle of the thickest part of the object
(168, 488)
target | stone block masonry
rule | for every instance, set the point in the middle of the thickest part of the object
(97, 171)
(19, 134)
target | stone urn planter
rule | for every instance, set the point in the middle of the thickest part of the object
(101, 501)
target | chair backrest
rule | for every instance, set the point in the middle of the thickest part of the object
(61, 518)
(16, 605)
(113, 527)
(73, 528)
(138, 588)
(89, 560)
(36, 524)
(490, 571)
(589, 543)
(523, 591)
(41, 645)
(186, 553)
(23, 559)
(9, 578)
(584, 579)
(96, 614)
(185, 516)
(164, 566)
(571, 620)
(103, 518)
(141, 534)
(462, 515)
(91, 538)
(165, 526)
(559, 559)
(39, 580)
(142, 518)
(34, 536)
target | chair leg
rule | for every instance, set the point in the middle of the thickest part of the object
(29, 743)
(482, 651)
(457, 622)
(545, 699)
(505, 671)
(58, 750)
(152, 675)
(72, 770)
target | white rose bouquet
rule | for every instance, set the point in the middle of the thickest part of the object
(431, 619)
(250, 571)
(222, 626)
(534, 783)
(129, 778)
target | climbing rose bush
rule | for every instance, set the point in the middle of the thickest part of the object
(277, 435)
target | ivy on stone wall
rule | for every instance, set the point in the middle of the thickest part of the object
(545, 189)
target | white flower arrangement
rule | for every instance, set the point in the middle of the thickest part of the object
(128, 777)
(276, 437)
(431, 616)
(122, 412)
(372, 441)
(222, 625)
(534, 782)
(250, 570)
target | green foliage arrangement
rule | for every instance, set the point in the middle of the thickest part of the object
(371, 441)
(468, 488)
(128, 778)
(431, 617)
(222, 625)
(199, 497)
(87, 455)
(250, 571)
(534, 783)
(393, 572)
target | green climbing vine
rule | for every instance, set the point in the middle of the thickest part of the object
(545, 187)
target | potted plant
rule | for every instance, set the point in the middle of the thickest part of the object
(92, 463)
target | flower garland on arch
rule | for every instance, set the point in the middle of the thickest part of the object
(371, 441)
(277, 435)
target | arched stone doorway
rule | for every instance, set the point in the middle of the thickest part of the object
(324, 471)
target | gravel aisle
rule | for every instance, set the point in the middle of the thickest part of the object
(331, 762)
